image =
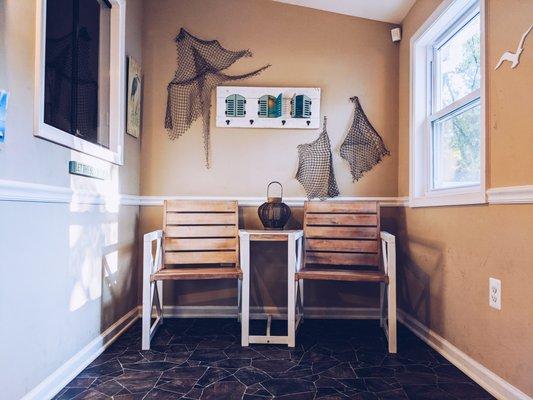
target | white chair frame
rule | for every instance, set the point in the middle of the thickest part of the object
(152, 290)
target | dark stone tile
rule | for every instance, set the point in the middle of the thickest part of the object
(273, 365)
(212, 375)
(282, 387)
(426, 392)
(348, 359)
(161, 394)
(466, 390)
(150, 366)
(184, 373)
(250, 376)
(416, 374)
(138, 381)
(181, 386)
(224, 390)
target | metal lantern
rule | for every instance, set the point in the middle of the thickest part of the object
(274, 214)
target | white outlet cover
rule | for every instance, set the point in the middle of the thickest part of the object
(495, 293)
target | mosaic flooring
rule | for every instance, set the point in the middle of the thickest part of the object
(203, 359)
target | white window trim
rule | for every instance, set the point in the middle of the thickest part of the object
(419, 129)
(115, 152)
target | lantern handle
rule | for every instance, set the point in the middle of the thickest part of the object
(268, 188)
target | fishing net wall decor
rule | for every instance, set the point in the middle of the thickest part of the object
(315, 167)
(200, 63)
(363, 148)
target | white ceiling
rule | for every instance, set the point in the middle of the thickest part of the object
(382, 10)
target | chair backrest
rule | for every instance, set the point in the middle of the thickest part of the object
(201, 232)
(342, 233)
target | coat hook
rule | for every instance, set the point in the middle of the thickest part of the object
(227, 122)
(308, 122)
(283, 122)
(251, 122)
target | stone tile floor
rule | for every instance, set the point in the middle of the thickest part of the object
(203, 359)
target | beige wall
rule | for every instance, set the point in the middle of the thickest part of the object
(67, 270)
(449, 253)
(344, 56)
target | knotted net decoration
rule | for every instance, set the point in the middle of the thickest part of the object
(315, 167)
(363, 148)
(200, 63)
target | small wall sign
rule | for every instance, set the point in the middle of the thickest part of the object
(77, 168)
(3, 111)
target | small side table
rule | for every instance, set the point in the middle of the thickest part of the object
(294, 239)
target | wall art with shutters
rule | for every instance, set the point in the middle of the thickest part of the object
(267, 107)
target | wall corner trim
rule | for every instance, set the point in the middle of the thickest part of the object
(487, 379)
(55, 382)
(511, 195)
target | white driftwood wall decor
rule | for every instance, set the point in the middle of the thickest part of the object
(268, 107)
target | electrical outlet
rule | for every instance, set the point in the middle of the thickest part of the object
(495, 293)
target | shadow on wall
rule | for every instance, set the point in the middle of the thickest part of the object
(420, 268)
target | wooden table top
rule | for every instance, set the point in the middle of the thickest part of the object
(270, 234)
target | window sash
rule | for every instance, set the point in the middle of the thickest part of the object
(433, 67)
(433, 95)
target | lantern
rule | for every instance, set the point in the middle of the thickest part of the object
(274, 214)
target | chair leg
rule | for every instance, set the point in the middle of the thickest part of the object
(301, 284)
(239, 294)
(382, 304)
(159, 285)
(146, 313)
(391, 320)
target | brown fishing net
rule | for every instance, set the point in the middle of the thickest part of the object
(363, 148)
(315, 168)
(200, 63)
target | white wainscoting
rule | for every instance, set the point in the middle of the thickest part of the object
(53, 384)
(511, 195)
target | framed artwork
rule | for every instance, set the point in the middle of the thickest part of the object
(3, 111)
(133, 118)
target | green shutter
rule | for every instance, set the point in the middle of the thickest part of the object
(263, 106)
(240, 106)
(278, 106)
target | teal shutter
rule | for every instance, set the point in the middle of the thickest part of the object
(262, 106)
(306, 112)
(230, 106)
(278, 106)
(240, 106)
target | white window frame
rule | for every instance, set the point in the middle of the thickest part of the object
(115, 152)
(421, 194)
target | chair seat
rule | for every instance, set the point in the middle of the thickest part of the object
(175, 274)
(342, 275)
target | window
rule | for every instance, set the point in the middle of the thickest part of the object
(80, 71)
(447, 108)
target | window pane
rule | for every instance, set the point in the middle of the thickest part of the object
(456, 151)
(77, 68)
(459, 64)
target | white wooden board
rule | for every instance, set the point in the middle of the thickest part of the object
(252, 95)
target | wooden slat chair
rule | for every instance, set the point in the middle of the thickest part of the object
(342, 243)
(199, 233)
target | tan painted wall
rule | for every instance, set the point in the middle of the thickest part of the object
(345, 56)
(449, 253)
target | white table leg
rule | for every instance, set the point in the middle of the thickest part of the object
(245, 300)
(291, 292)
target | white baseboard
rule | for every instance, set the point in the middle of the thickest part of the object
(53, 384)
(275, 312)
(487, 379)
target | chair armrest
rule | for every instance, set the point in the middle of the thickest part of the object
(151, 264)
(387, 237)
(151, 236)
(388, 246)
